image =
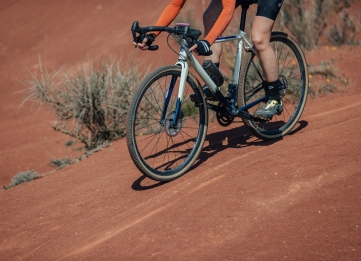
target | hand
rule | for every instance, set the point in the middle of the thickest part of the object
(201, 47)
(144, 41)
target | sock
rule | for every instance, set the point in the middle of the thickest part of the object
(273, 89)
(217, 64)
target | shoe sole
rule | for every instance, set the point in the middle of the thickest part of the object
(265, 118)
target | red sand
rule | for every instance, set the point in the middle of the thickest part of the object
(294, 199)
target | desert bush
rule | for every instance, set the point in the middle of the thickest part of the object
(23, 177)
(91, 104)
(69, 143)
(61, 163)
(307, 21)
(324, 79)
(344, 32)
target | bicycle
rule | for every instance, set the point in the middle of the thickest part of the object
(168, 117)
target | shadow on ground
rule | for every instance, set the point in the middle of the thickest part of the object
(238, 137)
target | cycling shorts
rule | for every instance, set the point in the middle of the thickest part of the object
(266, 8)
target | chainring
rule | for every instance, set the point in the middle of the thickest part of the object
(223, 117)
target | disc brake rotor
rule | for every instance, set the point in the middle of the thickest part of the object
(173, 129)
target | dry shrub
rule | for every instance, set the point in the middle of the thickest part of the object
(308, 21)
(90, 105)
(324, 79)
(23, 177)
(345, 30)
(61, 163)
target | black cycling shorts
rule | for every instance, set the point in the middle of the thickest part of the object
(266, 8)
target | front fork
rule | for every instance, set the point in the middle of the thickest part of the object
(183, 79)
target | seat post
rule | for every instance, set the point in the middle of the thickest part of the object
(243, 17)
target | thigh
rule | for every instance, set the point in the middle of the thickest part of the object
(269, 8)
(261, 29)
(262, 26)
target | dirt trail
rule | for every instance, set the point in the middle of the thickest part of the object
(294, 199)
(297, 198)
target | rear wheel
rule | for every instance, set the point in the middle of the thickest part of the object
(292, 68)
(161, 148)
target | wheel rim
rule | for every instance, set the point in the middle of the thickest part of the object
(163, 147)
(292, 69)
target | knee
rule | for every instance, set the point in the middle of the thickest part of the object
(260, 41)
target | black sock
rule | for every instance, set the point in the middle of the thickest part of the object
(217, 64)
(273, 89)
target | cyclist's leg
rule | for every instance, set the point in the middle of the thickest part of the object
(261, 33)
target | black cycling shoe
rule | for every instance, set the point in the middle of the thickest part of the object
(271, 108)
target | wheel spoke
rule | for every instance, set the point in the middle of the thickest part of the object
(293, 68)
(163, 149)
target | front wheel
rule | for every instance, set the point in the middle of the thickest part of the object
(292, 67)
(163, 143)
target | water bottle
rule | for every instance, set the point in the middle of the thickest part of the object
(213, 72)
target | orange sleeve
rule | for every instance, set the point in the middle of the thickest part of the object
(223, 20)
(169, 13)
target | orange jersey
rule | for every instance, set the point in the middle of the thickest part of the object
(173, 9)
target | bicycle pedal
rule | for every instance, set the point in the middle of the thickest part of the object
(260, 120)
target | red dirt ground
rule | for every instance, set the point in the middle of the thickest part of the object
(295, 199)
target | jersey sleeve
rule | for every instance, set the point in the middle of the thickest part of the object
(170, 13)
(222, 21)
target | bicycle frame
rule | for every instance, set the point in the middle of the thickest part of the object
(185, 57)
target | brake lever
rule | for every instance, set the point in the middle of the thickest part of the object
(134, 28)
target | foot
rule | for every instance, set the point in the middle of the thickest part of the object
(271, 108)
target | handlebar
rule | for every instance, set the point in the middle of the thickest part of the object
(182, 29)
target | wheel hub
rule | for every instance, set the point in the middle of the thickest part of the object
(173, 129)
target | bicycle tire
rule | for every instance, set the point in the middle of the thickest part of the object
(161, 152)
(292, 67)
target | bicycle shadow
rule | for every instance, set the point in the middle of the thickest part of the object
(237, 137)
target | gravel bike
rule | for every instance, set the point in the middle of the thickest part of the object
(168, 116)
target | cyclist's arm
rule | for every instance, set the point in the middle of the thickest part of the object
(220, 25)
(173, 9)
(170, 13)
(167, 16)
